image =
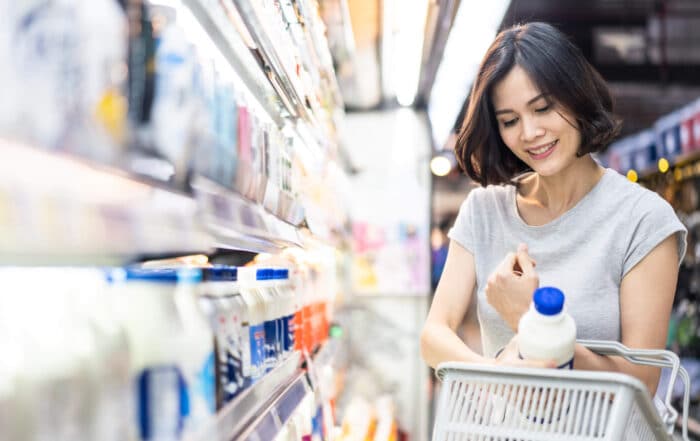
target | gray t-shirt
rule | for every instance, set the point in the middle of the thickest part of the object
(586, 252)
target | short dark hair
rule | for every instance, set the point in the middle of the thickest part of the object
(559, 69)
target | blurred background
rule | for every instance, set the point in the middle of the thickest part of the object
(226, 218)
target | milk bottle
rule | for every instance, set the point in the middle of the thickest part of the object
(546, 331)
(145, 303)
(253, 326)
(223, 303)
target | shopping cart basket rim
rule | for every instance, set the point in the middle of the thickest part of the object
(527, 373)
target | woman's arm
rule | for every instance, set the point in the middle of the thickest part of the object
(646, 298)
(439, 341)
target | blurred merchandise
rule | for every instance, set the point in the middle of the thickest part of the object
(65, 73)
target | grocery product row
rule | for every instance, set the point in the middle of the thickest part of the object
(674, 138)
(154, 353)
(150, 89)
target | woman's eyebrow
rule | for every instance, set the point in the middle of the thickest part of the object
(540, 96)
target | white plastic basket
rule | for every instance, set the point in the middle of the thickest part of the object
(500, 403)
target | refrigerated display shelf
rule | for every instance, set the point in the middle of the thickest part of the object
(216, 19)
(231, 217)
(269, 53)
(56, 208)
(227, 26)
(260, 411)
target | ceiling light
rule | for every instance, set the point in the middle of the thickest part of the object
(402, 47)
(472, 31)
(440, 165)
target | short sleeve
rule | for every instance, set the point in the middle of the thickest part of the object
(462, 231)
(657, 222)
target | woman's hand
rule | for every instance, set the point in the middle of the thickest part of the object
(509, 289)
(510, 356)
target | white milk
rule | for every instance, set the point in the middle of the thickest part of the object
(546, 331)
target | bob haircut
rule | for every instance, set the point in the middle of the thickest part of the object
(558, 69)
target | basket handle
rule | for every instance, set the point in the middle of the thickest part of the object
(651, 357)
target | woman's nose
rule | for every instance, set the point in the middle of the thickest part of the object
(531, 130)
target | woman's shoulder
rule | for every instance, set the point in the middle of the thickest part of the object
(490, 194)
(621, 191)
(486, 202)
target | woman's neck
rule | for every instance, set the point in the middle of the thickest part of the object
(559, 193)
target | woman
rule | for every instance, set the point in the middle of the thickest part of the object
(548, 214)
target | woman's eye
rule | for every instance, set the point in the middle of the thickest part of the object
(542, 109)
(510, 122)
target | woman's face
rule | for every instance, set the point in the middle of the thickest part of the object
(535, 129)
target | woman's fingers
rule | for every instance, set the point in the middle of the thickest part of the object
(522, 255)
(525, 263)
(507, 265)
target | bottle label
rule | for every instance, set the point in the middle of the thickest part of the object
(288, 330)
(567, 365)
(270, 344)
(232, 367)
(206, 382)
(246, 351)
(257, 350)
(163, 403)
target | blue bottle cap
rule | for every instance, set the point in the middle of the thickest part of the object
(161, 275)
(221, 273)
(548, 300)
(264, 274)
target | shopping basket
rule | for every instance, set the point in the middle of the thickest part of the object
(503, 403)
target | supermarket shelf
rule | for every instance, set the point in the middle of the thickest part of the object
(269, 53)
(327, 353)
(681, 161)
(59, 209)
(56, 208)
(260, 411)
(226, 25)
(232, 219)
(216, 19)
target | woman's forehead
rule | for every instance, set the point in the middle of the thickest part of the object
(516, 89)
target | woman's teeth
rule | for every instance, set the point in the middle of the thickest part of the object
(541, 150)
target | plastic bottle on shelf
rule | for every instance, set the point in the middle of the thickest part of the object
(287, 311)
(258, 140)
(196, 356)
(145, 303)
(91, 307)
(227, 132)
(60, 366)
(244, 172)
(45, 70)
(224, 305)
(104, 50)
(17, 393)
(253, 326)
(307, 317)
(314, 318)
(546, 331)
(141, 75)
(68, 93)
(278, 314)
(177, 108)
(266, 290)
(298, 284)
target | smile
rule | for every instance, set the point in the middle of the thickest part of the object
(543, 151)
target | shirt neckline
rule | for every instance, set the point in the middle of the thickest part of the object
(577, 207)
